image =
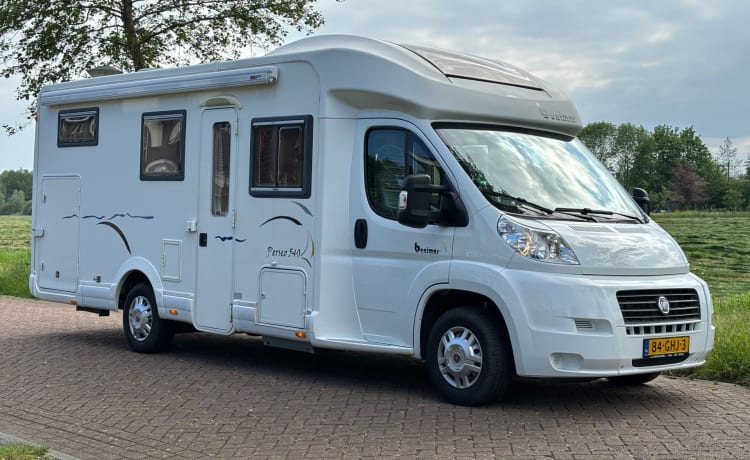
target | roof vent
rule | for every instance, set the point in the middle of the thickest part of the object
(459, 65)
(103, 71)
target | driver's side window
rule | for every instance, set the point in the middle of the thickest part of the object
(163, 146)
(392, 154)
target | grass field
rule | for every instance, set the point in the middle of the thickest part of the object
(15, 237)
(23, 451)
(718, 248)
(717, 245)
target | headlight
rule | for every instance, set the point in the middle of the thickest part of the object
(541, 245)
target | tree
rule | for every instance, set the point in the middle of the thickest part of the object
(688, 189)
(15, 192)
(10, 181)
(52, 41)
(733, 199)
(668, 152)
(673, 165)
(16, 204)
(634, 147)
(727, 157)
(695, 152)
(599, 138)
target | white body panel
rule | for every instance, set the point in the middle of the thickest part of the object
(287, 267)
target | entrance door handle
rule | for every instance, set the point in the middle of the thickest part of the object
(360, 233)
(203, 240)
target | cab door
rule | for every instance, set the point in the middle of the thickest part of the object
(392, 264)
(216, 221)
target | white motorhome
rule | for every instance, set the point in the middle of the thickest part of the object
(354, 194)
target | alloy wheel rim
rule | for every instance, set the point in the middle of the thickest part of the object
(140, 318)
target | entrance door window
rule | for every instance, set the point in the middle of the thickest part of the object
(222, 138)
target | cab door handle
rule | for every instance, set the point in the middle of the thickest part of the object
(360, 233)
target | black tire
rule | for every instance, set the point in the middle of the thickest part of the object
(634, 379)
(144, 330)
(476, 366)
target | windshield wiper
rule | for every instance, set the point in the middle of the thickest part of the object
(588, 211)
(517, 200)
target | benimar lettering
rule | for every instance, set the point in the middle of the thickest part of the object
(425, 250)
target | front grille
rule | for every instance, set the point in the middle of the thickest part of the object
(661, 329)
(642, 307)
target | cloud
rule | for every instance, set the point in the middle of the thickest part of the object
(676, 62)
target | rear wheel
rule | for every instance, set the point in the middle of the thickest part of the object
(634, 379)
(468, 357)
(144, 330)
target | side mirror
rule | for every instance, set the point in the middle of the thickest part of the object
(415, 204)
(641, 198)
(414, 201)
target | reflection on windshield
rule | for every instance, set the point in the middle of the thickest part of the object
(542, 171)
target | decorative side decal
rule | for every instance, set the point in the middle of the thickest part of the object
(291, 219)
(229, 238)
(304, 208)
(127, 214)
(119, 232)
(114, 216)
(304, 253)
(113, 226)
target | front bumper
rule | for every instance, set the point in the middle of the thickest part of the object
(572, 325)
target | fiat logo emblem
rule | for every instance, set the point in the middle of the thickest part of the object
(663, 305)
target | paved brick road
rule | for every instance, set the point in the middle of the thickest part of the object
(67, 381)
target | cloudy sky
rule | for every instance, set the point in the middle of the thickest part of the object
(675, 62)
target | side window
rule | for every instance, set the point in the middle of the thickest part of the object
(281, 157)
(163, 146)
(392, 154)
(220, 177)
(78, 127)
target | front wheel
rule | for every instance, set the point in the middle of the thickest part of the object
(144, 330)
(468, 357)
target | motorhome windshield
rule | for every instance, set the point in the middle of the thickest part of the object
(537, 175)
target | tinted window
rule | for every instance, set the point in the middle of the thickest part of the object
(163, 146)
(281, 157)
(220, 178)
(78, 127)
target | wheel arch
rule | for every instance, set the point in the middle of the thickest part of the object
(136, 271)
(443, 300)
(130, 280)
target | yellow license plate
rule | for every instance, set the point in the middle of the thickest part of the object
(666, 346)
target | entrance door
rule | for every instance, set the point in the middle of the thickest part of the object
(393, 264)
(213, 296)
(57, 236)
